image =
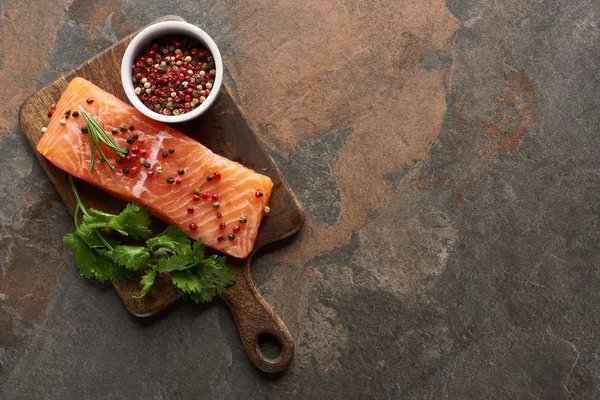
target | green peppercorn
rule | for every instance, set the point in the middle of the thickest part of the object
(159, 170)
(114, 131)
(197, 191)
(216, 204)
(122, 127)
(243, 220)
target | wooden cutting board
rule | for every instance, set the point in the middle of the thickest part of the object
(224, 130)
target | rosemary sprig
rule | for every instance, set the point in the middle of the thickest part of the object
(97, 135)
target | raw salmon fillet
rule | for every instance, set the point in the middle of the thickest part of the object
(242, 193)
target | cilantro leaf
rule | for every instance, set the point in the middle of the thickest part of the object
(147, 280)
(93, 263)
(198, 251)
(89, 236)
(107, 269)
(214, 275)
(92, 237)
(210, 276)
(132, 221)
(172, 240)
(178, 262)
(131, 257)
(82, 253)
(186, 282)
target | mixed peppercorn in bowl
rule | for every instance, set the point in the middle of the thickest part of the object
(172, 71)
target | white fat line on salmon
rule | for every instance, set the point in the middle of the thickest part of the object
(137, 189)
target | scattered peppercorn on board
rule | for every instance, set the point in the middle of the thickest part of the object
(225, 131)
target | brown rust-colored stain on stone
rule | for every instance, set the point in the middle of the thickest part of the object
(333, 65)
(521, 104)
(423, 182)
(458, 195)
(458, 113)
(426, 178)
(26, 47)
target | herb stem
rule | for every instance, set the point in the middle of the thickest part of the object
(103, 240)
(76, 216)
(77, 198)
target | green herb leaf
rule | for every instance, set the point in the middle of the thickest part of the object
(214, 275)
(178, 262)
(131, 257)
(89, 236)
(94, 263)
(132, 221)
(147, 280)
(82, 253)
(171, 241)
(186, 282)
(108, 269)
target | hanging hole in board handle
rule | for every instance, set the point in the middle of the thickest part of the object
(269, 347)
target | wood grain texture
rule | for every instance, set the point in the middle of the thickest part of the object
(224, 130)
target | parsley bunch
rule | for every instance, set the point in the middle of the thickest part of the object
(98, 256)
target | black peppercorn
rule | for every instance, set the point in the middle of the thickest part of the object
(181, 171)
(135, 135)
(231, 236)
(171, 150)
(164, 154)
(84, 130)
(147, 164)
(75, 114)
(125, 170)
(170, 180)
(130, 140)
(131, 127)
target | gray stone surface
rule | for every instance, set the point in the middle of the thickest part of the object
(447, 155)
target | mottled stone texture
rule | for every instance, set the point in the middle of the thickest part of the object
(447, 157)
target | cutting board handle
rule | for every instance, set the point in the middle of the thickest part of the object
(256, 319)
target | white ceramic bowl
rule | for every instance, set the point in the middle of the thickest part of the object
(143, 39)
